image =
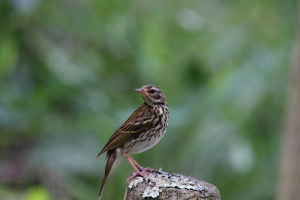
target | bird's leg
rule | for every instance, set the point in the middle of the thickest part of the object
(137, 168)
(132, 163)
(142, 169)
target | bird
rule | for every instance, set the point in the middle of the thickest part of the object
(141, 131)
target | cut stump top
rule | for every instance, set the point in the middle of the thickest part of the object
(169, 186)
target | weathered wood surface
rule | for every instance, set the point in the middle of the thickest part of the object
(169, 186)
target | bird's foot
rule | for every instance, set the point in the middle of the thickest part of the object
(142, 172)
(145, 169)
(134, 174)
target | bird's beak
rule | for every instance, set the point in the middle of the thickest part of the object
(140, 91)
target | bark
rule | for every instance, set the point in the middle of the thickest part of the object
(289, 178)
(169, 186)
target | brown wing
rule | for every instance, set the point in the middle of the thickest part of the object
(139, 121)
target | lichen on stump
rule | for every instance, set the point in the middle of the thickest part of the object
(169, 186)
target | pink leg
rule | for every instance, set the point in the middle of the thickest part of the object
(132, 163)
(147, 169)
(137, 168)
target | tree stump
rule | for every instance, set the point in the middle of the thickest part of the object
(169, 186)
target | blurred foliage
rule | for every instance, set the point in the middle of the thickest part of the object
(68, 70)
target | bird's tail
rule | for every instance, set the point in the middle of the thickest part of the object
(114, 157)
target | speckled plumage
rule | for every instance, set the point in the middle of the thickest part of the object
(141, 131)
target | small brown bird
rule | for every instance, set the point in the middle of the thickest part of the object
(140, 132)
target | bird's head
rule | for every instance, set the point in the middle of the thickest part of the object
(152, 94)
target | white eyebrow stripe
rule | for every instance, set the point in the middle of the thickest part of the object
(154, 88)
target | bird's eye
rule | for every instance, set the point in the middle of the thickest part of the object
(152, 91)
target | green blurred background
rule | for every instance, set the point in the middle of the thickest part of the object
(67, 73)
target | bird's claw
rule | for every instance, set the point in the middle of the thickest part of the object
(142, 172)
(147, 169)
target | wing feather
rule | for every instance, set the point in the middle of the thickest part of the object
(139, 121)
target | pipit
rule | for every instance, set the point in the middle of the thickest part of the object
(141, 131)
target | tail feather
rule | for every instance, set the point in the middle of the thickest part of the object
(114, 157)
(102, 186)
